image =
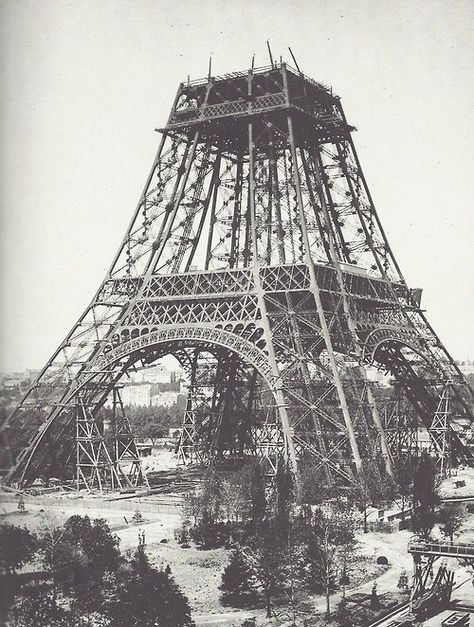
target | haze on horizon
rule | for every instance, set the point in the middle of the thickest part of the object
(84, 85)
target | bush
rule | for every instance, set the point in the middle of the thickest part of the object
(212, 535)
(382, 560)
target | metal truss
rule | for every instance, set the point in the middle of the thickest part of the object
(257, 258)
(440, 431)
(94, 466)
(126, 458)
(425, 554)
(401, 424)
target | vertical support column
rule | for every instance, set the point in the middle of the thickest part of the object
(77, 409)
(273, 159)
(236, 215)
(314, 288)
(439, 430)
(126, 460)
(353, 331)
(277, 383)
(212, 221)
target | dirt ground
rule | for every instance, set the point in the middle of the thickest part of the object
(448, 486)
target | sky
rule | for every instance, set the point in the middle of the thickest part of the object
(85, 83)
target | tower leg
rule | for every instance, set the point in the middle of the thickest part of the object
(94, 466)
(126, 459)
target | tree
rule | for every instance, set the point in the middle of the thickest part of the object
(344, 615)
(330, 541)
(403, 470)
(425, 497)
(238, 582)
(55, 554)
(450, 519)
(78, 555)
(232, 498)
(35, 605)
(264, 550)
(212, 497)
(145, 597)
(374, 599)
(235, 496)
(17, 546)
(192, 505)
(312, 482)
(372, 488)
(253, 483)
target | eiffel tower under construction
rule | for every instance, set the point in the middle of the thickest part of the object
(257, 259)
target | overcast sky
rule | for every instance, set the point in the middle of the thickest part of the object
(83, 85)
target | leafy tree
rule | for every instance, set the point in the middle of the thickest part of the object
(78, 555)
(154, 431)
(330, 541)
(450, 519)
(17, 546)
(145, 597)
(238, 582)
(266, 558)
(312, 482)
(233, 499)
(404, 471)
(212, 497)
(56, 555)
(154, 422)
(425, 497)
(373, 488)
(37, 606)
(193, 505)
(233, 496)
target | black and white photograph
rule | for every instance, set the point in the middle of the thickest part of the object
(236, 313)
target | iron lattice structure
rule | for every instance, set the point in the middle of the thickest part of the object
(256, 257)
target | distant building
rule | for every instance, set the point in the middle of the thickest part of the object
(466, 367)
(164, 399)
(137, 395)
(155, 374)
